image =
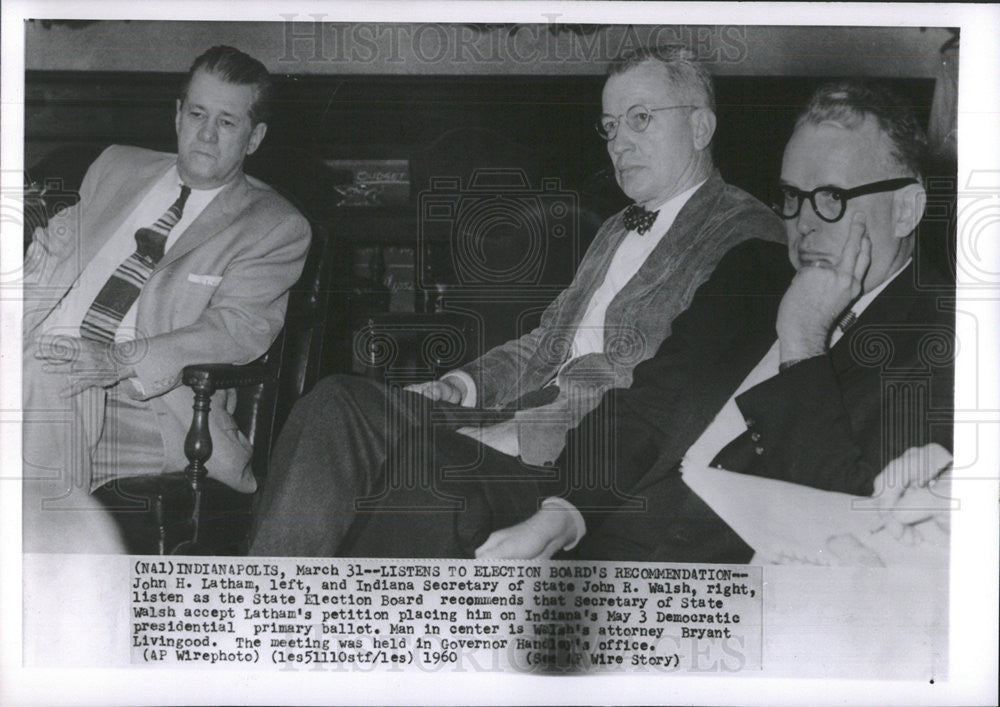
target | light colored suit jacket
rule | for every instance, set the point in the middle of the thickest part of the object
(716, 218)
(217, 295)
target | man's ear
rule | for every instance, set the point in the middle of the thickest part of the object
(177, 117)
(256, 137)
(907, 209)
(702, 127)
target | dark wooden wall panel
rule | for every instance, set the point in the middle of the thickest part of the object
(445, 126)
(400, 117)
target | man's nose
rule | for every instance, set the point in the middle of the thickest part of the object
(807, 221)
(208, 132)
(623, 139)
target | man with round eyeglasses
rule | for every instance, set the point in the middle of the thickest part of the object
(637, 118)
(857, 231)
(830, 403)
(640, 271)
(823, 378)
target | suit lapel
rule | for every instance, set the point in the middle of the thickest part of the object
(216, 217)
(118, 203)
(591, 274)
(680, 236)
(113, 202)
(618, 233)
(867, 354)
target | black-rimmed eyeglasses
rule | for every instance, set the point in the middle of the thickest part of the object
(637, 117)
(830, 203)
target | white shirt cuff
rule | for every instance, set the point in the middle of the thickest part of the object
(139, 388)
(575, 515)
(469, 399)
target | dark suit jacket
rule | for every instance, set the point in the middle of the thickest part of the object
(831, 422)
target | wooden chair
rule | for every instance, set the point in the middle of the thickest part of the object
(185, 512)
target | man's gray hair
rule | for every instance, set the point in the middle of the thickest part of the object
(683, 70)
(849, 103)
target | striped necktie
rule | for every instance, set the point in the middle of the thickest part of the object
(122, 289)
(847, 321)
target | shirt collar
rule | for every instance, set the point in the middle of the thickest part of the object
(669, 208)
(198, 196)
(675, 203)
(861, 304)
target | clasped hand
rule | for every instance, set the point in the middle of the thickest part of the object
(501, 436)
(914, 488)
(450, 390)
(537, 538)
(819, 293)
(87, 364)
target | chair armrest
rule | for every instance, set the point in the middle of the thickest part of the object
(204, 379)
(209, 377)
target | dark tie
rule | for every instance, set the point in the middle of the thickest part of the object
(121, 290)
(638, 219)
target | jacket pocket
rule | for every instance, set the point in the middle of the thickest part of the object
(207, 280)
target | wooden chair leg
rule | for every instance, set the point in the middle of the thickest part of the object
(161, 527)
(197, 448)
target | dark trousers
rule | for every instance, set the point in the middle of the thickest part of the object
(326, 459)
(672, 524)
(354, 450)
(360, 471)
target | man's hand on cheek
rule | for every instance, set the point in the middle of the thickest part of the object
(819, 293)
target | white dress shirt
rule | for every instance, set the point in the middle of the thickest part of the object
(66, 318)
(629, 256)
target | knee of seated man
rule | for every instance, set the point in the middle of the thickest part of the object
(342, 387)
(334, 384)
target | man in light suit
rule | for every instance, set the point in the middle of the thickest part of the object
(641, 270)
(165, 261)
(818, 374)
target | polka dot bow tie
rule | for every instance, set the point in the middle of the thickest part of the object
(638, 219)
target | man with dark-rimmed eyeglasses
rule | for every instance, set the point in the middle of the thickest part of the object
(829, 202)
(823, 378)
